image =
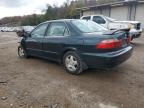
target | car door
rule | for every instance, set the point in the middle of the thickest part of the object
(100, 20)
(35, 41)
(55, 39)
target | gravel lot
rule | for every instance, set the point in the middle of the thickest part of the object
(38, 83)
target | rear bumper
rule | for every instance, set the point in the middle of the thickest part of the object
(107, 60)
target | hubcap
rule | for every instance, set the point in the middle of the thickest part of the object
(21, 52)
(71, 63)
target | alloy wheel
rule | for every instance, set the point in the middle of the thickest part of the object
(21, 52)
(71, 63)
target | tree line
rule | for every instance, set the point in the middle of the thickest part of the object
(66, 11)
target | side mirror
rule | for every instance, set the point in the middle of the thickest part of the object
(27, 34)
(23, 33)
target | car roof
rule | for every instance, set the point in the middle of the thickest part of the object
(67, 20)
(92, 15)
(63, 20)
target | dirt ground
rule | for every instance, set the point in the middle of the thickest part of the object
(38, 83)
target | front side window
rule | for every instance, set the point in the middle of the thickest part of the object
(57, 29)
(39, 31)
(88, 26)
(99, 20)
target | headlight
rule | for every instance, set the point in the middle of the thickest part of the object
(131, 26)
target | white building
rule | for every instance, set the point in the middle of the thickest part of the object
(122, 10)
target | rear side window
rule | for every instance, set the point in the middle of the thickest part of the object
(86, 18)
(57, 29)
(99, 20)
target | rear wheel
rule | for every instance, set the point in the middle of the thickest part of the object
(22, 53)
(73, 63)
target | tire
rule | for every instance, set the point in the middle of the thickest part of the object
(21, 52)
(73, 63)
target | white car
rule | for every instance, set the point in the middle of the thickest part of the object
(112, 24)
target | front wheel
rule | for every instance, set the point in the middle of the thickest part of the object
(22, 53)
(73, 63)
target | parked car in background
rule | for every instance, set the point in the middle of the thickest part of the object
(4, 29)
(77, 44)
(112, 24)
(17, 29)
(7, 29)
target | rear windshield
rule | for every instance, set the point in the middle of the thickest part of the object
(88, 26)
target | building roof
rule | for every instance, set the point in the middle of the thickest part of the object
(117, 3)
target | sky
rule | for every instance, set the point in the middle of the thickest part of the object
(25, 7)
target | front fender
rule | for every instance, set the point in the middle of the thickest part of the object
(22, 42)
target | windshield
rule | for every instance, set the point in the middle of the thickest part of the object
(87, 26)
(110, 19)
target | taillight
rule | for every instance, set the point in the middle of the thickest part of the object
(109, 44)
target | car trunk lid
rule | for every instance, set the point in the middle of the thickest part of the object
(108, 40)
